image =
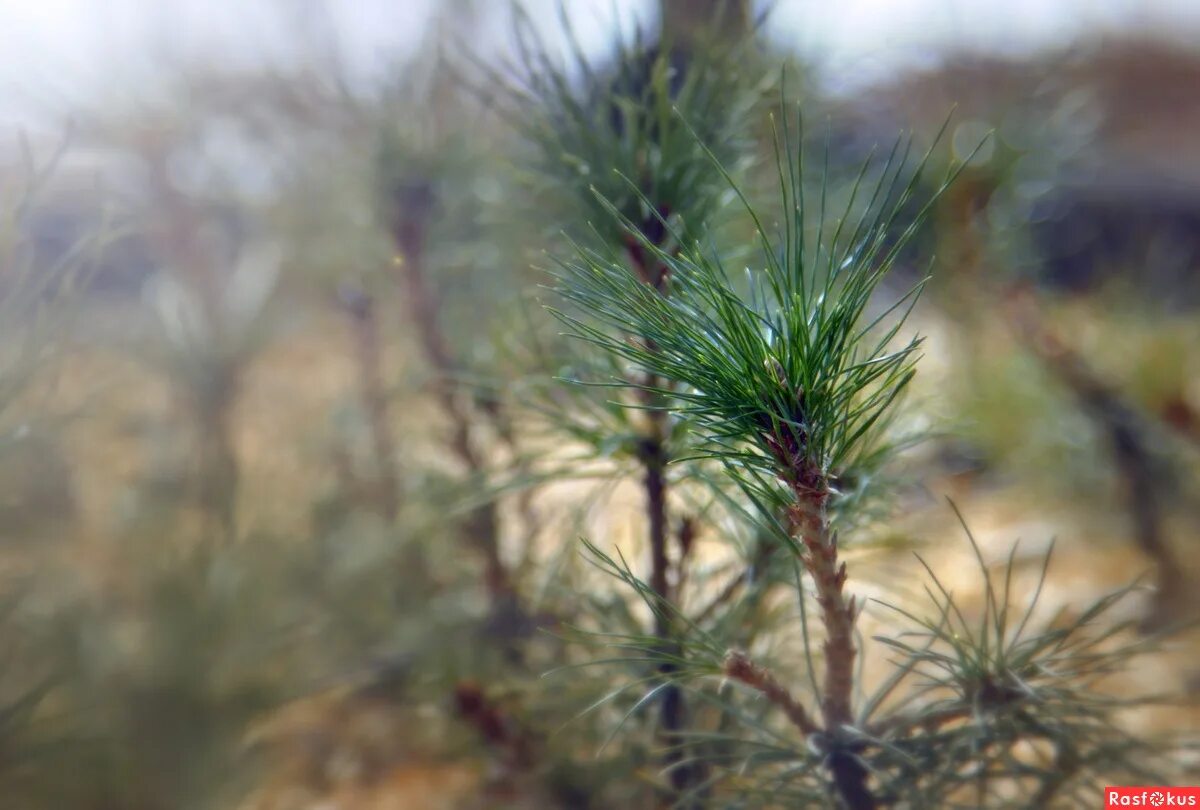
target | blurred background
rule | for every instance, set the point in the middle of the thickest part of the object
(276, 530)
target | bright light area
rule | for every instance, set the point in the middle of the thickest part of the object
(58, 51)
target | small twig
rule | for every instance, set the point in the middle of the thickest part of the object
(741, 668)
(927, 720)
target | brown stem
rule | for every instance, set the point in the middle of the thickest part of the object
(372, 392)
(741, 668)
(810, 524)
(808, 521)
(653, 458)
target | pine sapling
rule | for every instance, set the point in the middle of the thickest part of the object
(788, 379)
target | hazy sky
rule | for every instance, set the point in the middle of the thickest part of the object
(57, 50)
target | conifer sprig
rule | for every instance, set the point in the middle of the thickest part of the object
(784, 379)
(785, 371)
(611, 128)
(1010, 703)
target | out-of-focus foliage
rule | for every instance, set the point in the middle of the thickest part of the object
(290, 495)
(627, 133)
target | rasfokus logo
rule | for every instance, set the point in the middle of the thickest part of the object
(1151, 797)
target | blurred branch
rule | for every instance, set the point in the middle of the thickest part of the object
(1142, 476)
(411, 210)
(361, 309)
(763, 552)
